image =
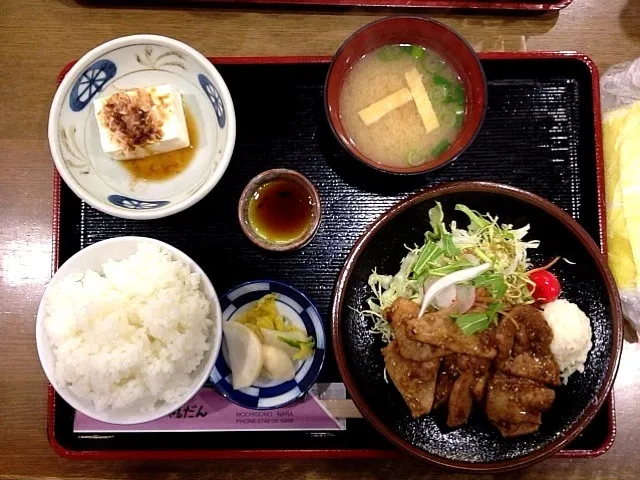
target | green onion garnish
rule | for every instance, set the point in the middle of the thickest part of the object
(415, 157)
(447, 117)
(459, 118)
(416, 52)
(440, 80)
(390, 52)
(432, 63)
(439, 149)
(456, 94)
(438, 94)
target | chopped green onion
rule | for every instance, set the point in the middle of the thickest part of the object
(471, 323)
(433, 63)
(447, 117)
(456, 94)
(459, 113)
(390, 52)
(438, 94)
(440, 148)
(440, 80)
(415, 157)
(416, 51)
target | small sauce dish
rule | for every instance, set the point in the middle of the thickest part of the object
(279, 210)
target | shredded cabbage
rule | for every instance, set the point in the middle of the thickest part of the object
(447, 250)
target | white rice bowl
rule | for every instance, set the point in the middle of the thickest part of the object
(129, 338)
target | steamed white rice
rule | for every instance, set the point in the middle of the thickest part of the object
(571, 336)
(132, 336)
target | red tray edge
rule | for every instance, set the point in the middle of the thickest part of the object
(330, 453)
(431, 4)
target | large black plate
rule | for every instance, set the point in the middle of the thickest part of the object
(477, 445)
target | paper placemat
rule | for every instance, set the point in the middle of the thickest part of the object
(209, 411)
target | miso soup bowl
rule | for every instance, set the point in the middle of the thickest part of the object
(429, 34)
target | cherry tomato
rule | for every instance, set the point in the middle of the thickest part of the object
(547, 287)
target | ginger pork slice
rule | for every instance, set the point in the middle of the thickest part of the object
(439, 329)
(514, 405)
(400, 312)
(416, 381)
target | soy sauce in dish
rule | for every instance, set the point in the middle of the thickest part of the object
(280, 211)
(169, 164)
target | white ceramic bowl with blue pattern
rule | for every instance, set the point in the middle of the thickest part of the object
(131, 62)
(268, 394)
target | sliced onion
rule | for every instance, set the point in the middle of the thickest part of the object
(465, 298)
(428, 282)
(445, 298)
(449, 280)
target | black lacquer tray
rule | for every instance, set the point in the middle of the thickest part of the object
(541, 133)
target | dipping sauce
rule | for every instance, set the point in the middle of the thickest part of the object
(386, 116)
(166, 165)
(280, 211)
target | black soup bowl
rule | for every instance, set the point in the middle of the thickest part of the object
(477, 446)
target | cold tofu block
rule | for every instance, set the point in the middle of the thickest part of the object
(141, 122)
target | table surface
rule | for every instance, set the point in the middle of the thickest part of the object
(39, 36)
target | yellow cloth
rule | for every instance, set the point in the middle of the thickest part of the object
(621, 135)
